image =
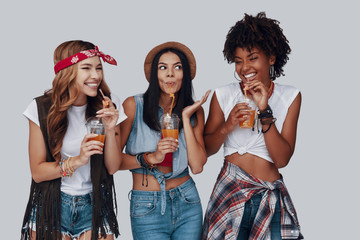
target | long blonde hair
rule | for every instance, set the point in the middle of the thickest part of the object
(64, 92)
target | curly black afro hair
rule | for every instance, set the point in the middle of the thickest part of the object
(260, 32)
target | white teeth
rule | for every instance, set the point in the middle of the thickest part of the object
(92, 84)
(249, 75)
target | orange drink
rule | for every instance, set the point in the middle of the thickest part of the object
(248, 123)
(95, 126)
(170, 125)
(100, 138)
(174, 133)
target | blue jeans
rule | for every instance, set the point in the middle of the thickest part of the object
(182, 218)
(251, 208)
(76, 215)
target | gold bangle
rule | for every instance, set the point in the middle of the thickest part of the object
(68, 166)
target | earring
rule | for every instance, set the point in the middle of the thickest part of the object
(235, 74)
(272, 72)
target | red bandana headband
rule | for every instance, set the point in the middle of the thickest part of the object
(82, 56)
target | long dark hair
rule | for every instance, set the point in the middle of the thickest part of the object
(152, 94)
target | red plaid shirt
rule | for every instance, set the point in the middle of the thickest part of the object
(226, 206)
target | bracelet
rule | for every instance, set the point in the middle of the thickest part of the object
(267, 113)
(62, 172)
(267, 129)
(142, 160)
(68, 165)
(65, 169)
(145, 156)
(266, 121)
(137, 157)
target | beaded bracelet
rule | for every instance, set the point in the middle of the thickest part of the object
(65, 169)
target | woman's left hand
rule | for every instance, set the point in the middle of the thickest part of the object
(108, 115)
(190, 110)
(259, 93)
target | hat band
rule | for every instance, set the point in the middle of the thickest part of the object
(82, 56)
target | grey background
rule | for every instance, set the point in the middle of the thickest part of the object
(324, 37)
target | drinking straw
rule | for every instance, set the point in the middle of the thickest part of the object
(102, 93)
(173, 99)
(93, 130)
(105, 102)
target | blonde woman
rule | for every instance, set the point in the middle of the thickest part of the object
(71, 193)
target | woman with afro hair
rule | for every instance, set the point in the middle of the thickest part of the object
(250, 200)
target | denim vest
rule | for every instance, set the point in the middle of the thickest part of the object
(144, 139)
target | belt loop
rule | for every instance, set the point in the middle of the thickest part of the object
(130, 195)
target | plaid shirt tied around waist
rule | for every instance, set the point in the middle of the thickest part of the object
(234, 187)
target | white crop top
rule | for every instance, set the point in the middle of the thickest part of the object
(245, 140)
(80, 182)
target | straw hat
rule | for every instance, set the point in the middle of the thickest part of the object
(176, 45)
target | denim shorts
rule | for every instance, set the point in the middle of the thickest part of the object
(76, 215)
(182, 218)
(250, 211)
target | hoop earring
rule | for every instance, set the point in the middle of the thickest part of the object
(235, 74)
(272, 72)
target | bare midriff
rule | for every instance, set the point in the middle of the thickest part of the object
(153, 184)
(255, 166)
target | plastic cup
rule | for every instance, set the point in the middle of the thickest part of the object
(94, 125)
(170, 126)
(248, 123)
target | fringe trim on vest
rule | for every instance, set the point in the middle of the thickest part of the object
(46, 201)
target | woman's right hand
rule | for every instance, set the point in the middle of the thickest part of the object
(240, 112)
(89, 148)
(164, 146)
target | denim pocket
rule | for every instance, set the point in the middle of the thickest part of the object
(191, 196)
(142, 206)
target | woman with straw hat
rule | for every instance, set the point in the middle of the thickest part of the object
(165, 203)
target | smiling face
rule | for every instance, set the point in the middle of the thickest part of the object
(88, 78)
(170, 73)
(253, 65)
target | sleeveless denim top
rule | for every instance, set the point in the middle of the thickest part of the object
(144, 139)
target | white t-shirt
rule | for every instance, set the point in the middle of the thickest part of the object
(80, 182)
(243, 140)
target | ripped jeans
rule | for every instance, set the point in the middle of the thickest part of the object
(76, 214)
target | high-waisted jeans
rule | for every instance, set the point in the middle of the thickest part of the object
(182, 218)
